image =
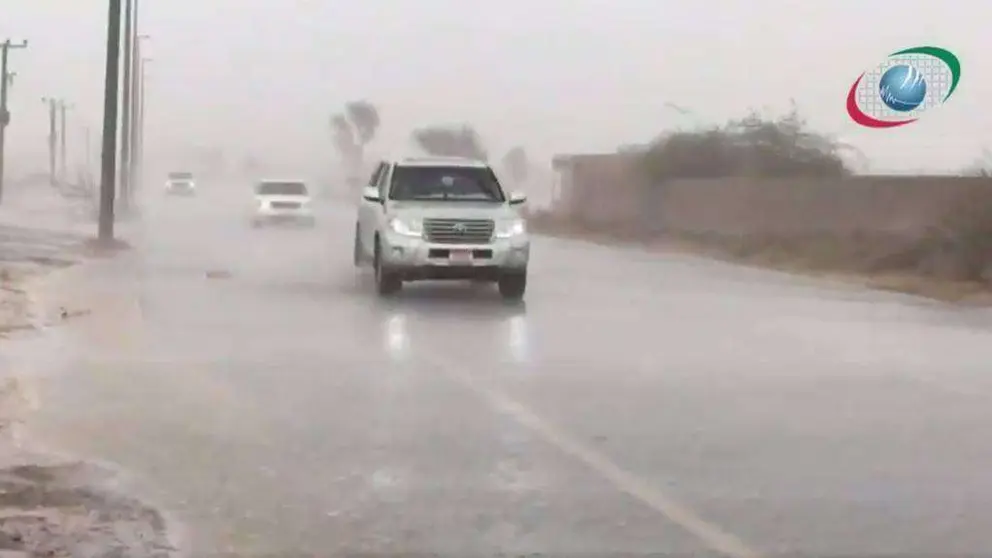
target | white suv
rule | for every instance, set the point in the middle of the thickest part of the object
(282, 201)
(441, 218)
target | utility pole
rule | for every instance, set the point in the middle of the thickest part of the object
(88, 150)
(57, 112)
(125, 166)
(134, 179)
(5, 79)
(139, 168)
(134, 157)
(52, 137)
(63, 165)
(111, 91)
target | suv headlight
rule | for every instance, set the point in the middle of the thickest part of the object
(407, 227)
(511, 229)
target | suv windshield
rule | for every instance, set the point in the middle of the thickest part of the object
(281, 189)
(445, 183)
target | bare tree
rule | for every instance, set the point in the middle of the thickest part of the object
(344, 137)
(364, 118)
(352, 130)
(451, 141)
(517, 164)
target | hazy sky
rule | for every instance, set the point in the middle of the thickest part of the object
(554, 75)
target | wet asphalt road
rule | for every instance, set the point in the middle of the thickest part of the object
(639, 404)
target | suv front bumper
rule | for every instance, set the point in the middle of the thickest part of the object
(299, 216)
(415, 258)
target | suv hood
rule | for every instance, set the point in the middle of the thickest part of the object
(452, 210)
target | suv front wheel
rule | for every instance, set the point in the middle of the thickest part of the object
(386, 282)
(512, 286)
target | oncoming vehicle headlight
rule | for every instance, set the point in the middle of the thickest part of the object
(510, 229)
(407, 227)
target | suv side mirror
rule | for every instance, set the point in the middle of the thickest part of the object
(517, 198)
(371, 193)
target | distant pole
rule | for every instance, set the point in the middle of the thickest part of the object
(88, 151)
(52, 137)
(134, 179)
(125, 177)
(5, 79)
(63, 165)
(140, 140)
(111, 90)
(136, 38)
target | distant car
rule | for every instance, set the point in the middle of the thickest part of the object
(441, 218)
(180, 184)
(282, 202)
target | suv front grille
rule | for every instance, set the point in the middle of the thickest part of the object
(459, 231)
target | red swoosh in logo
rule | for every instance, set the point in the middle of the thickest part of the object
(859, 116)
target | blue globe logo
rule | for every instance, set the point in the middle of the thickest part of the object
(902, 88)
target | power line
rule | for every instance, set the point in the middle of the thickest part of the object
(5, 81)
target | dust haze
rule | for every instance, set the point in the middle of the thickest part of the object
(249, 375)
(256, 84)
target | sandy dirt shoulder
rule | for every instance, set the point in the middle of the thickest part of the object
(50, 505)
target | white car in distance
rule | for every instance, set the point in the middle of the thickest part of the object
(180, 183)
(282, 202)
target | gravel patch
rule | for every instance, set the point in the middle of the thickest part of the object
(60, 511)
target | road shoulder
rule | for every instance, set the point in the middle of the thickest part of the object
(950, 291)
(51, 505)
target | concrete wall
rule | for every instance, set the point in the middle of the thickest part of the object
(608, 191)
(896, 205)
(598, 189)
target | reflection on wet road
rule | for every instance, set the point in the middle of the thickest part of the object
(637, 404)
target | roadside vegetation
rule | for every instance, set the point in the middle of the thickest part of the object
(752, 146)
(952, 259)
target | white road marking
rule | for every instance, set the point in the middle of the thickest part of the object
(709, 534)
(396, 339)
(518, 339)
